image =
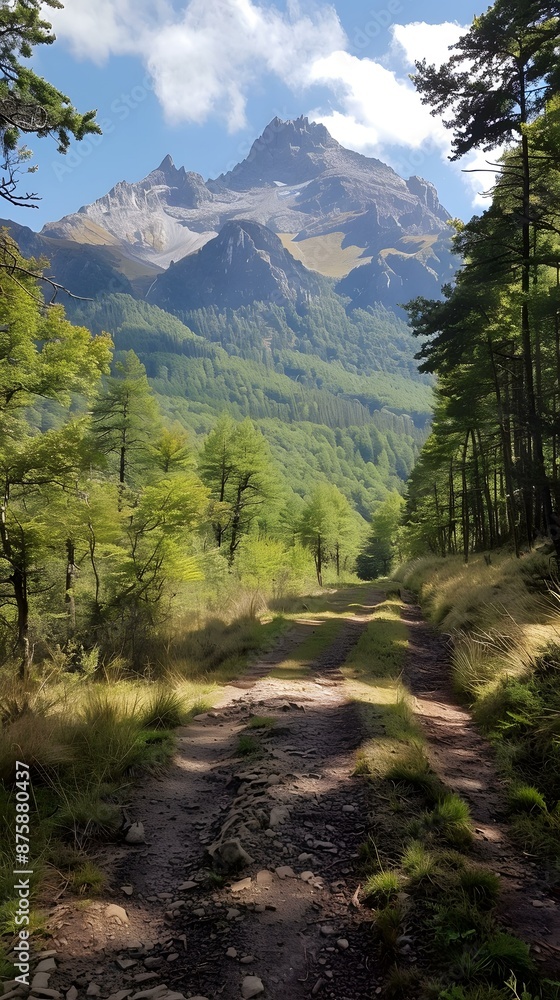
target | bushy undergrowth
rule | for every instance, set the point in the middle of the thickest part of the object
(503, 618)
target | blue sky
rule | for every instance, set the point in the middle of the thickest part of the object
(200, 79)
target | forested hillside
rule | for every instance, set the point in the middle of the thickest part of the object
(322, 419)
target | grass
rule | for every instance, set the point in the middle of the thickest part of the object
(261, 722)
(247, 746)
(417, 867)
(298, 665)
(525, 799)
(88, 738)
(504, 623)
(383, 887)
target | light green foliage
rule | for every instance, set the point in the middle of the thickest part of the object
(385, 540)
(326, 527)
(125, 420)
(41, 355)
(236, 466)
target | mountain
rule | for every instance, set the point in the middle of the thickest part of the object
(333, 210)
(245, 263)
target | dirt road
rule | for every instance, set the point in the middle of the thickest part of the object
(267, 779)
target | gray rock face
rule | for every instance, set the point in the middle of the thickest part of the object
(245, 263)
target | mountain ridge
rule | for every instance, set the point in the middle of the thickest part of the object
(298, 182)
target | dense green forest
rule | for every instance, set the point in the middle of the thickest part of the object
(489, 473)
(321, 420)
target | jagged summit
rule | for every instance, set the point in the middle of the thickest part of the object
(287, 152)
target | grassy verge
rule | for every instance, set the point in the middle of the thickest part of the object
(86, 740)
(504, 622)
(437, 936)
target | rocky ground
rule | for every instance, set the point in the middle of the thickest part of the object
(245, 880)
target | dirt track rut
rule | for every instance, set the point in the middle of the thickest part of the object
(295, 806)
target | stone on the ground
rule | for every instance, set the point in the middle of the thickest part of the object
(40, 979)
(93, 990)
(343, 944)
(126, 963)
(327, 930)
(135, 834)
(247, 960)
(278, 815)
(251, 986)
(306, 876)
(269, 833)
(120, 995)
(230, 854)
(273, 779)
(46, 965)
(115, 912)
(155, 991)
(72, 993)
(187, 885)
(305, 857)
(232, 913)
(127, 889)
(245, 883)
(349, 809)
(265, 877)
(231, 953)
(284, 871)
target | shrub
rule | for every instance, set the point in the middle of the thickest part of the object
(419, 864)
(525, 799)
(481, 886)
(382, 887)
(452, 818)
(165, 709)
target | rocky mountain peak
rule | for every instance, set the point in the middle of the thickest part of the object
(287, 152)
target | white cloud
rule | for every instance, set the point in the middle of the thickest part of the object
(419, 40)
(204, 56)
(378, 109)
(99, 29)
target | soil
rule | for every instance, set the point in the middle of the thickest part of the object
(290, 917)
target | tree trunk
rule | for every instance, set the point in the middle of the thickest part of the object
(465, 504)
(69, 596)
(319, 560)
(19, 580)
